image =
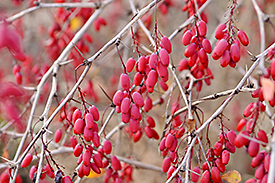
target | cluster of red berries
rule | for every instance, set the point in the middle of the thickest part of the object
(228, 46)
(198, 46)
(190, 7)
(5, 177)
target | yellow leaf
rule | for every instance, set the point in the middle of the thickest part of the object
(76, 23)
(268, 88)
(191, 124)
(232, 176)
(94, 175)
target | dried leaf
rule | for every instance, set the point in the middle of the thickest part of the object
(191, 125)
(268, 88)
(232, 176)
(94, 175)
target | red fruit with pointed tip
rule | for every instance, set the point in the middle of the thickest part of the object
(207, 46)
(86, 157)
(77, 114)
(138, 78)
(257, 160)
(89, 120)
(219, 49)
(95, 168)
(142, 62)
(259, 173)
(137, 136)
(183, 65)
(125, 105)
(241, 124)
(151, 122)
(235, 52)
(231, 135)
(170, 171)
(169, 140)
(153, 61)
(97, 160)
(248, 110)
(133, 125)
(26, 161)
(267, 162)
(79, 126)
(240, 140)
(96, 140)
(73, 141)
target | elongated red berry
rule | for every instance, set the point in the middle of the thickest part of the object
(133, 125)
(231, 135)
(138, 78)
(97, 160)
(96, 140)
(95, 168)
(89, 120)
(86, 157)
(142, 61)
(79, 126)
(240, 140)
(262, 137)
(115, 163)
(220, 31)
(94, 111)
(166, 164)
(130, 64)
(205, 178)
(225, 157)
(183, 64)
(257, 160)
(77, 114)
(164, 57)
(207, 46)
(215, 174)
(148, 104)
(138, 99)
(162, 71)
(186, 38)
(219, 49)
(169, 140)
(259, 173)
(272, 68)
(125, 105)
(118, 97)
(195, 177)
(125, 117)
(243, 37)
(163, 85)
(202, 28)
(253, 148)
(57, 135)
(78, 150)
(224, 61)
(166, 44)
(190, 50)
(107, 147)
(235, 52)
(125, 81)
(153, 61)
(26, 161)
(73, 141)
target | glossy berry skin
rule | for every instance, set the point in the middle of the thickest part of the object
(220, 31)
(195, 177)
(205, 178)
(107, 147)
(219, 49)
(26, 161)
(253, 148)
(243, 37)
(58, 135)
(166, 164)
(166, 44)
(125, 81)
(130, 64)
(215, 174)
(186, 38)
(115, 163)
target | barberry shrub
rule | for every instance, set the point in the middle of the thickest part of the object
(137, 91)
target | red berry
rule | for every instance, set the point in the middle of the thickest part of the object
(118, 97)
(190, 50)
(257, 160)
(243, 37)
(77, 114)
(220, 165)
(97, 160)
(248, 110)
(73, 141)
(231, 135)
(58, 135)
(130, 64)
(133, 125)
(267, 162)
(107, 147)
(183, 65)
(253, 148)
(195, 177)
(166, 44)
(262, 137)
(125, 81)
(115, 163)
(137, 136)
(240, 140)
(94, 111)
(186, 38)
(138, 78)
(163, 85)
(79, 126)
(205, 178)
(259, 173)
(235, 52)
(86, 157)
(202, 28)
(89, 120)
(151, 122)
(138, 99)
(164, 57)
(78, 150)
(207, 46)
(32, 172)
(95, 168)
(220, 31)
(241, 124)
(125, 105)
(225, 157)
(26, 161)
(162, 144)
(217, 148)
(215, 174)
(170, 171)
(153, 61)
(96, 140)
(135, 114)
(166, 164)
(169, 140)
(142, 61)
(219, 49)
